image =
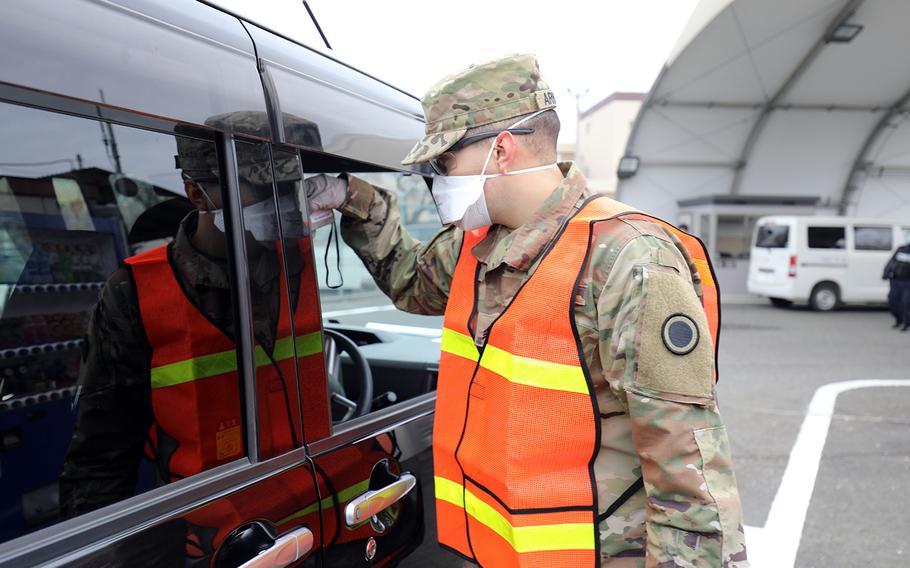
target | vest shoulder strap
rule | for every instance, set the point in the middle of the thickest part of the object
(600, 207)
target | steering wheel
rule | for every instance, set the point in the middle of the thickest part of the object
(337, 343)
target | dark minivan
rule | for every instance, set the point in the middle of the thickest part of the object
(104, 105)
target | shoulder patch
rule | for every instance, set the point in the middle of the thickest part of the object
(675, 354)
(680, 334)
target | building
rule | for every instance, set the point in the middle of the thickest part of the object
(774, 106)
(603, 131)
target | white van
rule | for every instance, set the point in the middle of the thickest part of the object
(825, 261)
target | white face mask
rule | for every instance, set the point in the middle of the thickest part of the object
(460, 199)
(259, 218)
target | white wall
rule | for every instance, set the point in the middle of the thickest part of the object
(602, 138)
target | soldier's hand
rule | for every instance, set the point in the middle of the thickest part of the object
(326, 192)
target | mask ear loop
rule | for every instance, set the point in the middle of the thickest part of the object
(493, 147)
(333, 235)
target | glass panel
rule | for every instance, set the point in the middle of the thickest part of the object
(307, 321)
(400, 349)
(102, 390)
(905, 235)
(873, 238)
(827, 238)
(770, 235)
(277, 395)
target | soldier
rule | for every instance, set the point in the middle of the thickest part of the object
(576, 417)
(141, 391)
(897, 272)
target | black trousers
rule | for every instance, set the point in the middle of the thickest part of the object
(899, 301)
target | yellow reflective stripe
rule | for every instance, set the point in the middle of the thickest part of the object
(534, 538)
(704, 270)
(195, 368)
(534, 372)
(309, 344)
(459, 344)
(226, 361)
(515, 368)
(449, 491)
(327, 503)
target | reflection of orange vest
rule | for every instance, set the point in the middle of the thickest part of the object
(517, 425)
(195, 385)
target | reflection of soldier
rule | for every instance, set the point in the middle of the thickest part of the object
(166, 321)
(537, 334)
(897, 271)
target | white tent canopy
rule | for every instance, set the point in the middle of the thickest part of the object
(758, 98)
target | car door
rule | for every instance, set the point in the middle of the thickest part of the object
(823, 258)
(82, 484)
(873, 246)
(372, 460)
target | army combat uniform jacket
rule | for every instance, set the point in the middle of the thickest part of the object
(658, 412)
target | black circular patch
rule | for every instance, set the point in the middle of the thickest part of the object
(680, 334)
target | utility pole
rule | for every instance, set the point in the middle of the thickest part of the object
(107, 136)
(577, 94)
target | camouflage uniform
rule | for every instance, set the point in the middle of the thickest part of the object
(658, 411)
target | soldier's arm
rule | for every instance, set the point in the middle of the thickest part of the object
(113, 405)
(889, 268)
(658, 358)
(416, 276)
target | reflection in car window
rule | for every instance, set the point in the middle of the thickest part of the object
(101, 389)
(402, 349)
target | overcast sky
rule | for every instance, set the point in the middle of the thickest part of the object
(601, 47)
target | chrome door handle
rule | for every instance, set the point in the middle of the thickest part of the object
(287, 549)
(372, 503)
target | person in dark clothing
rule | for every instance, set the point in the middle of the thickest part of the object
(897, 271)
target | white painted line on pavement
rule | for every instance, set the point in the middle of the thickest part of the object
(355, 311)
(406, 329)
(776, 544)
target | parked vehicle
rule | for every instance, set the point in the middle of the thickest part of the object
(825, 261)
(96, 98)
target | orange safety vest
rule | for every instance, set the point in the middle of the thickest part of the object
(198, 418)
(517, 425)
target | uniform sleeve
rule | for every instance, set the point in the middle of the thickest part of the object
(113, 405)
(416, 276)
(659, 362)
(889, 268)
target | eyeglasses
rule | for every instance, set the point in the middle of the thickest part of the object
(445, 162)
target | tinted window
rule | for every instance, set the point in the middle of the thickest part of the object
(827, 238)
(873, 238)
(90, 411)
(770, 235)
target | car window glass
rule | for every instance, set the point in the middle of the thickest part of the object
(101, 389)
(905, 235)
(770, 235)
(827, 238)
(297, 244)
(873, 238)
(278, 283)
(401, 349)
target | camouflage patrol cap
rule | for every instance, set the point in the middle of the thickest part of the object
(482, 94)
(197, 158)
